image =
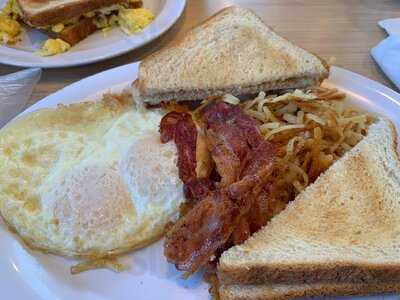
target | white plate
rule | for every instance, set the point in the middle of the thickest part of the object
(26, 274)
(96, 47)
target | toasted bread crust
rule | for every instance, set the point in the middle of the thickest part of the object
(79, 31)
(263, 292)
(234, 90)
(61, 13)
(311, 273)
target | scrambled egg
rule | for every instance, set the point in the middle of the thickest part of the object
(9, 30)
(54, 46)
(134, 20)
(129, 20)
(9, 27)
(11, 9)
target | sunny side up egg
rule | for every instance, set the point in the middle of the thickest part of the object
(88, 180)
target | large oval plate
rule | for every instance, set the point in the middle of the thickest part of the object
(96, 47)
(26, 274)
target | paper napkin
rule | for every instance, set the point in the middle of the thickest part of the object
(387, 52)
(15, 91)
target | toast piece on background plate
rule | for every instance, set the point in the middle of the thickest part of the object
(283, 292)
(79, 31)
(231, 52)
(343, 228)
(68, 20)
(49, 12)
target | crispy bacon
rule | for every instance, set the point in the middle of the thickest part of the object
(242, 231)
(196, 237)
(185, 139)
(263, 154)
(220, 112)
(230, 213)
(251, 185)
(205, 228)
(222, 150)
(259, 212)
(259, 160)
(198, 189)
(181, 128)
(257, 217)
(168, 126)
(231, 115)
(231, 134)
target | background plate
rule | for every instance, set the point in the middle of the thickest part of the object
(95, 47)
(26, 274)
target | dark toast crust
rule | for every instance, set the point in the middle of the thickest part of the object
(64, 12)
(337, 273)
(321, 290)
(76, 33)
(182, 95)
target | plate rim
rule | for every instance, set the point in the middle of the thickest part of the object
(4, 50)
(89, 83)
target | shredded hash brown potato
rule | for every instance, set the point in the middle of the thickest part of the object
(312, 129)
(109, 263)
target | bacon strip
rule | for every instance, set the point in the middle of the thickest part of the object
(196, 237)
(186, 139)
(198, 188)
(231, 134)
(224, 147)
(205, 228)
(242, 231)
(224, 113)
(168, 126)
(245, 163)
(181, 128)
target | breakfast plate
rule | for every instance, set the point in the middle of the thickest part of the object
(96, 47)
(27, 274)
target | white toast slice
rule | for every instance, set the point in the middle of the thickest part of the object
(343, 228)
(231, 52)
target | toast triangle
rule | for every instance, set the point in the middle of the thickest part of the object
(231, 52)
(343, 228)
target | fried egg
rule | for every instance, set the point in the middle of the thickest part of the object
(88, 180)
